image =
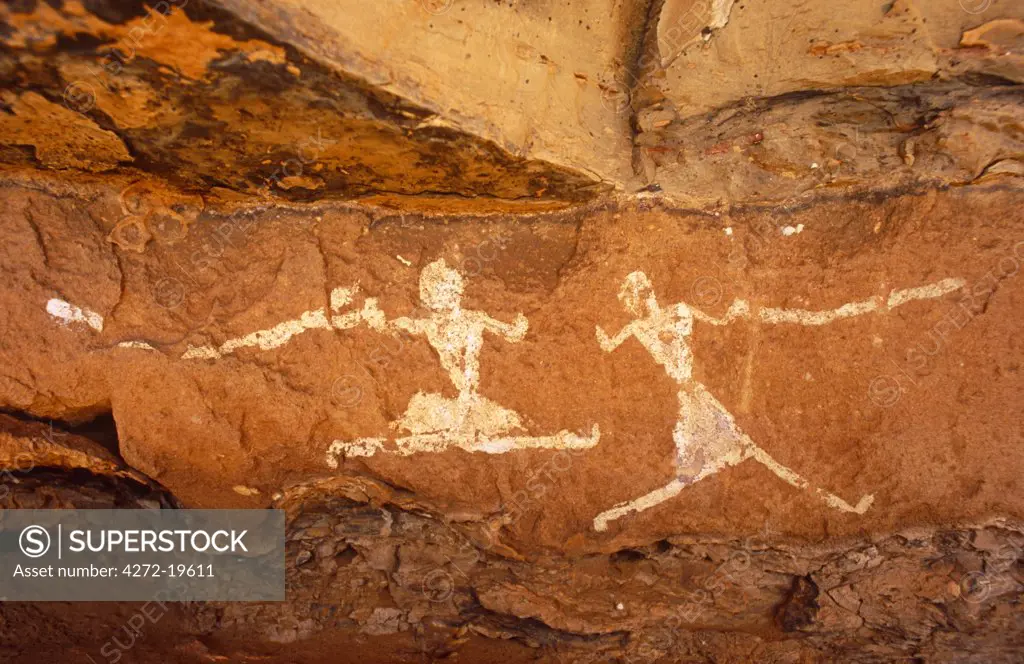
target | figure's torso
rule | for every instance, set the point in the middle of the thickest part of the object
(456, 337)
(664, 336)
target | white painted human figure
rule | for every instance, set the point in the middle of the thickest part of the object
(706, 435)
(469, 421)
(474, 423)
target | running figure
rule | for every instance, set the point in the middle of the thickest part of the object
(707, 437)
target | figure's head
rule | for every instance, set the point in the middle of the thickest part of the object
(440, 286)
(637, 294)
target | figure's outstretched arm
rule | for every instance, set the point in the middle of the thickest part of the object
(376, 320)
(373, 316)
(608, 344)
(410, 325)
(513, 332)
(897, 298)
(808, 317)
(738, 309)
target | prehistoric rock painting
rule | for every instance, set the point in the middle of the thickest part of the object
(273, 337)
(282, 333)
(706, 435)
(470, 421)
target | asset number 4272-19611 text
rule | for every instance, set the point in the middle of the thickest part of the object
(171, 571)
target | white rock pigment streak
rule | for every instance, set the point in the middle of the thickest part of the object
(68, 313)
(896, 298)
(282, 333)
(270, 338)
(707, 438)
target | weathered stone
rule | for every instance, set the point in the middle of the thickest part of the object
(858, 405)
(651, 331)
(206, 100)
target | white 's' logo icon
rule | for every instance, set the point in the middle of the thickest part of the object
(34, 541)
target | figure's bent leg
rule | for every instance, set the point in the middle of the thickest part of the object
(790, 477)
(734, 446)
(640, 504)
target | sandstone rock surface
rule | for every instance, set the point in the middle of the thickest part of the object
(627, 332)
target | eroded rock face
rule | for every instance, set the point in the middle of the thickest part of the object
(648, 332)
(390, 580)
(712, 54)
(242, 357)
(195, 95)
(425, 106)
(765, 101)
(547, 78)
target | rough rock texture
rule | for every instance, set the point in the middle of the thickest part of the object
(233, 234)
(547, 77)
(422, 105)
(767, 100)
(194, 95)
(389, 581)
(773, 49)
(806, 394)
(886, 403)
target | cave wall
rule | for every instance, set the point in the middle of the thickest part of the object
(232, 233)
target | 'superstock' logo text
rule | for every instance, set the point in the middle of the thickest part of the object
(157, 541)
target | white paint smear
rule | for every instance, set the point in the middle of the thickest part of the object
(441, 441)
(938, 289)
(807, 317)
(270, 338)
(141, 345)
(282, 333)
(896, 298)
(68, 313)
